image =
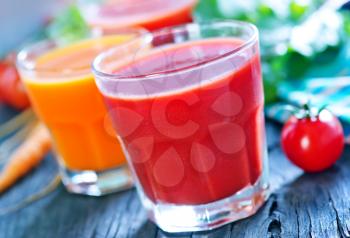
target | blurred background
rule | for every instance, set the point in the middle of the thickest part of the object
(20, 19)
(304, 43)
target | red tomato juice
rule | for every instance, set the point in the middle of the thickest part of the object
(199, 144)
(150, 14)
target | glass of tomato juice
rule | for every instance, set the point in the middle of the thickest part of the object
(64, 95)
(187, 106)
(108, 15)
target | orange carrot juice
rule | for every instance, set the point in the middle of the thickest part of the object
(64, 96)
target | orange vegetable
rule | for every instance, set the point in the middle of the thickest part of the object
(27, 156)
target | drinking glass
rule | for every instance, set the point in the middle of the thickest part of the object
(150, 14)
(187, 106)
(64, 95)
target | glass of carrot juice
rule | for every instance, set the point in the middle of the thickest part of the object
(193, 99)
(63, 94)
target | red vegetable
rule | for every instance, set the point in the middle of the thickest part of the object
(313, 142)
(11, 88)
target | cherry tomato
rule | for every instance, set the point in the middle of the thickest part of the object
(11, 88)
(313, 143)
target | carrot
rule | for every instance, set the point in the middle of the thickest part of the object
(27, 156)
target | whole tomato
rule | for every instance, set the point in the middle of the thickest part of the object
(313, 142)
(11, 88)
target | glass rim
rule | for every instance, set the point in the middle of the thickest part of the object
(111, 76)
(128, 4)
(24, 63)
(109, 19)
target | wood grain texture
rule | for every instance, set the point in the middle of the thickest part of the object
(301, 205)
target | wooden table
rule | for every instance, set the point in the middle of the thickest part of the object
(305, 205)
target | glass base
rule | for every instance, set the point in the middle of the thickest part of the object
(93, 183)
(186, 218)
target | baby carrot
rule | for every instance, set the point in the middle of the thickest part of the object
(28, 155)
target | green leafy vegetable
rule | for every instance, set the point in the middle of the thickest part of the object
(69, 26)
(296, 36)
